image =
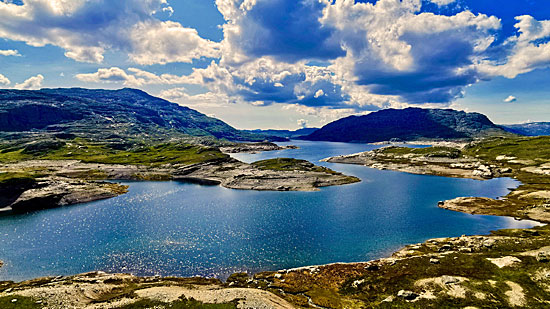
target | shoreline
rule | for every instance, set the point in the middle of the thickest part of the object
(70, 182)
(438, 267)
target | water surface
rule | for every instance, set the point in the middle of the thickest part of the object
(181, 229)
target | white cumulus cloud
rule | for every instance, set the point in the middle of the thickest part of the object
(86, 29)
(33, 83)
(510, 99)
(443, 2)
(9, 52)
(4, 80)
(526, 52)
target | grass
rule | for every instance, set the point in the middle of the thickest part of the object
(21, 303)
(523, 148)
(90, 152)
(446, 152)
(179, 304)
(289, 164)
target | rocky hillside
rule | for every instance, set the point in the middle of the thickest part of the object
(529, 129)
(285, 133)
(107, 114)
(407, 125)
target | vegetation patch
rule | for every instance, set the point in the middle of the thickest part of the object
(95, 152)
(289, 164)
(18, 302)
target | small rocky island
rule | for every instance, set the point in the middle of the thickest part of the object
(48, 173)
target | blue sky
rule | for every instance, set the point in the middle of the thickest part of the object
(285, 63)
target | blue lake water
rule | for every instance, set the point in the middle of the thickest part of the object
(173, 228)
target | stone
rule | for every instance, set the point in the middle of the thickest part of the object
(489, 243)
(543, 257)
(449, 280)
(407, 295)
(434, 261)
(504, 261)
(388, 299)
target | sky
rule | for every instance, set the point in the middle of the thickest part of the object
(286, 64)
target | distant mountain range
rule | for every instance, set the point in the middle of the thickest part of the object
(285, 133)
(107, 114)
(529, 129)
(407, 124)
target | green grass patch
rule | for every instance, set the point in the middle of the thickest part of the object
(22, 302)
(523, 148)
(89, 152)
(289, 164)
(445, 152)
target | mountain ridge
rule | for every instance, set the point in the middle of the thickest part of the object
(407, 125)
(103, 113)
(529, 129)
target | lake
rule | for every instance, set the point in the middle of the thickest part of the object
(183, 229)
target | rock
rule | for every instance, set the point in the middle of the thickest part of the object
(372, 267)
(407, 295)
(449, 280)
(388, 299)
(543, 257)
(489, 243)
(434, 261)
(445, 247)
(357, 283)
(14, 300)
(504, 261)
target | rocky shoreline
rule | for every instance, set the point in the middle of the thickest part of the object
(528, 201)
(254, 147)
(506, 269)
(66, 182)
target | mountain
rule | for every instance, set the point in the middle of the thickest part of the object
(285, 133)
(529, 129)
(407, 124)
(107, 114)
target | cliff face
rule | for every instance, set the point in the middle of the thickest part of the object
(407, 124)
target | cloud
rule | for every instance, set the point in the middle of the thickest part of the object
(86, 29)
(314, 56)
(33, 83)
(442, 2)
(209, 99)
(387, 54)
(4, 80)
(302, 123)
(528, 51)
(9, 52)
(132, 77)
(266, 81)
(510, 99)
(286, 30)
(395, 49)
(164, 42)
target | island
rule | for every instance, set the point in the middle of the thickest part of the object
(48, 173)
(506, 269)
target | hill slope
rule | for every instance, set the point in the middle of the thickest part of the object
(529, 129)
(107, 114)
(285, 133)
(407, 124)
